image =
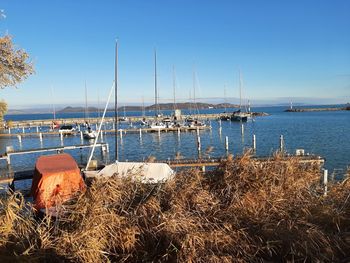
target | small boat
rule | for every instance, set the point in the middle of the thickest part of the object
(240, 116)
(124, 119)
(225, 117)
(192, 123)
(168, 122)
(55, 125)
(89, 134)
(144, 122)
(67, 130)
(157, 125)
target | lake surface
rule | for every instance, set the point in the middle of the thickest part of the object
(322, 133)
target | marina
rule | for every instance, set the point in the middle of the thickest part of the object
(174, 131)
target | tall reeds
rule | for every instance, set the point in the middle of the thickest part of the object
(243, 211)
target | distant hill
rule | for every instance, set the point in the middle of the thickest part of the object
(77, 109)
(162, 106)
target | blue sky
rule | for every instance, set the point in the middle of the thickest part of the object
(285, 49)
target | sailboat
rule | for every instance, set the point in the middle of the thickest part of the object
(89, 133)
(239, 115)
(194, 122)
(143, 121)
(124, 118)
(225, 116)
(54, 124)
(157, 124)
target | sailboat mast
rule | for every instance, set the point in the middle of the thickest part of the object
(116, 100)
(194, 87)
(86, 105)
(174, 88)
(155, 83)
(53, 104)
(143, 106)
(98, 105)
(240, 89)
(225, 97)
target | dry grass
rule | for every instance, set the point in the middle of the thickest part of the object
(241, 212)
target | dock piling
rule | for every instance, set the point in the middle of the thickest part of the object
(140, 131)
(121, 134)
(254, 143)
(281, 143)
(325, 181)
(198, 143)
(23, 130)
(19, 138)
(41, 137)
(226, 143)
(9, 130)
(37, 129)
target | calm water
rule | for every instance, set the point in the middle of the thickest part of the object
(323, 133)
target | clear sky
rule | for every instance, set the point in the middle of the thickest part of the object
(285, 49)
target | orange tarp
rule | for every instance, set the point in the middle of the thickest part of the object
(56, 179)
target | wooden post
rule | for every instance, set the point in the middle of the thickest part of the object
(9, 130)
(81, 135)
(96, 127)
(23, 131)
(140, 131)
(226, 143)
(254, 143)
(158, 131)
(19, 138)
(198, 143)
(178, 131)
(41, 137)
(325, 181)
(281, 143)
(121, 134)
(37, 129)
(61, 135)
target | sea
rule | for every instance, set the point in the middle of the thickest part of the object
(324, 133)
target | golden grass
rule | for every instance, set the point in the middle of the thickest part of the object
(241, 212)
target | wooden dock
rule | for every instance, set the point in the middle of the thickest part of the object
(310, 159)
(48, 122)
(108, 131)
(185, 163)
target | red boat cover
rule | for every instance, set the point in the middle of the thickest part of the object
(56, 179)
